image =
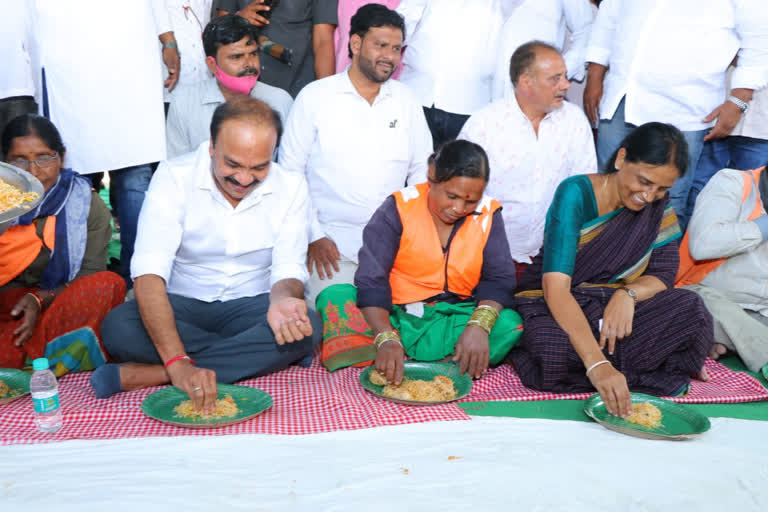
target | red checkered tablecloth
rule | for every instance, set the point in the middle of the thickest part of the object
(309, 401)
(725, 387)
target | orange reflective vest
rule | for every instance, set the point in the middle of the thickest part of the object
(20, 245)
(421, 269)
(693, 271)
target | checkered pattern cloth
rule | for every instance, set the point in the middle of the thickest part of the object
(725, 387)
(308, 401)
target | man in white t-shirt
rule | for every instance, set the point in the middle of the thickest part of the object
(534, 140)
(219, 267)
(665, 61)
(358, 137)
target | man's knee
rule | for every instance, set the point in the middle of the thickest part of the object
(122, 332)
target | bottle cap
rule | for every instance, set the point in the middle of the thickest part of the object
(40, 364)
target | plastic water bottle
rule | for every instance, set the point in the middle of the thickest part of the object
(45, 397)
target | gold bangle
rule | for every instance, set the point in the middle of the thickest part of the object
(386, 336)
(478, 323)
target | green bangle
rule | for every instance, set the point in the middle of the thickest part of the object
(171, 44)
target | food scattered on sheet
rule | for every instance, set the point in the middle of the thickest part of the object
(225, 408)
(645, 414)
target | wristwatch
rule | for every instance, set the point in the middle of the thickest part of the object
(743, 105)
(632, 293)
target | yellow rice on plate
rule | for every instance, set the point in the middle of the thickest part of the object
(645, 414)
(11, 197)
(225, 408)
(416, 390)
(4, 389)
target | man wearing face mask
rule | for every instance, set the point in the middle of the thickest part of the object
(219, 267)
(358, 137)
(232, 57)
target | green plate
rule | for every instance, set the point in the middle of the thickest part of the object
(17, 381)
(677, 421)
(424, 371)
(251, 402)
(765, 372)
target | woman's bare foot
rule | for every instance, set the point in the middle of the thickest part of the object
(702, 375)
(717, 350)
(135, 376)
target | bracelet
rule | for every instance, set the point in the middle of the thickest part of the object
(743, 105)
(38, 298)
(484, 317)
(178, 358)
(171, 44)
(604, 361)
(386, 336)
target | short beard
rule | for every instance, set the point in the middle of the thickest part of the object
(367, 68)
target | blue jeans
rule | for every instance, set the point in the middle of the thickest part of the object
(232, 338)
(610, 133)
(736, 152)
(130, 185)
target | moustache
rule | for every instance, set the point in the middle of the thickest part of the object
(232, 180)
(249, 72)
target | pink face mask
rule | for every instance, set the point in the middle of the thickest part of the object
(236, 84)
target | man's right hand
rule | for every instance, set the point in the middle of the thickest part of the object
(252, 11)
(324, 254)
(593, 93)
(198, 383)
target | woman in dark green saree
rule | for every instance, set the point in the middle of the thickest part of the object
(599, 305)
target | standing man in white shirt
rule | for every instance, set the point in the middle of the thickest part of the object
(534, 140)
(666, 60)
(188, 18)
(358, 137)
(233, 68)
(450, 59)
(219, 267)
(548, 21)
(101, 92)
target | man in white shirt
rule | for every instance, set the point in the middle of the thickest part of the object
(662, 60)
(101, 92)
(188, 18)
(219, 267)
(545, 20)
(450, 59)
(745, 148)
(232, 58)
(534, 140)
(358, 137)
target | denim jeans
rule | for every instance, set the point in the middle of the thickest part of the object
(443, 125)
(130, 185)
(610, 133)
(735, 152)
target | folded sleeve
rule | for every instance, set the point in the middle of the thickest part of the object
(751, 23)
(160, 229)
(601, 37)
(381, 241)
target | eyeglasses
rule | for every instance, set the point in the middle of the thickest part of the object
(44, 162)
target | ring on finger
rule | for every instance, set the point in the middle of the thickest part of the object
(196, 388)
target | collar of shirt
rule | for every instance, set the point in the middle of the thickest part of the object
(347, 87)
(205, 181)
(514, 106)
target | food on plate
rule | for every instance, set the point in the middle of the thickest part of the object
(11, 197)
(377, 378)
(645, 414)
(225, 408)
(439, 389)
(4, 389)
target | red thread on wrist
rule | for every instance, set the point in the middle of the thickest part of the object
(178, 358)
(37, 297)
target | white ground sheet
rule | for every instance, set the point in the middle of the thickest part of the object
(504, 464)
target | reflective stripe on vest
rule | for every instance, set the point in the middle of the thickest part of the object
(693, 271)
(20, 245)
(421, 270)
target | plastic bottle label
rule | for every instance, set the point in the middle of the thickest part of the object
(46, 402)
